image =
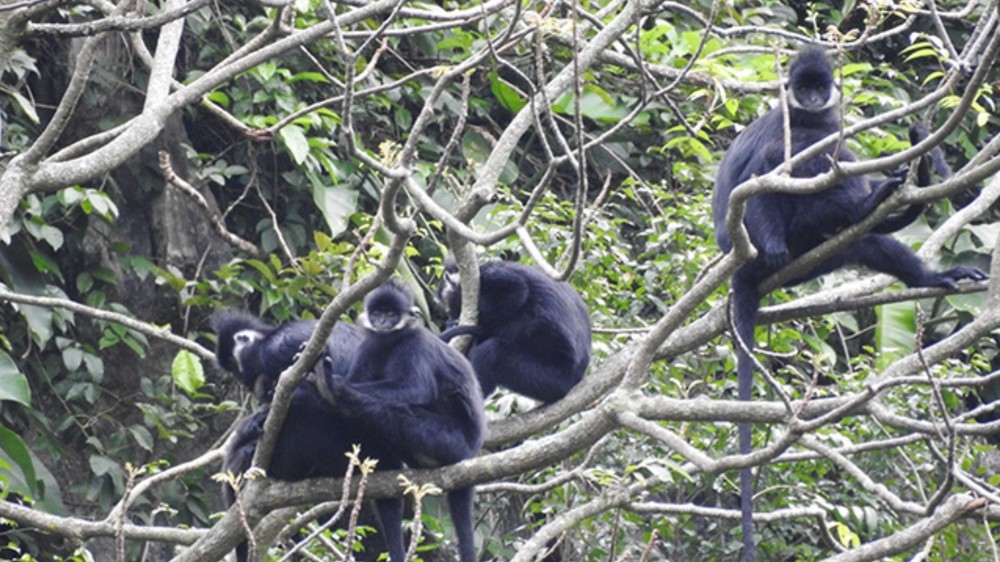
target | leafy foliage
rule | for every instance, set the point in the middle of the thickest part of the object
(299, 174)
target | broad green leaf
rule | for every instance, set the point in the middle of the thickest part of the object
(218, 97)
(13, 384)
(895, 331)
(922, 53)
(267, 70)
(25, 104)
(84, 282)
(595, 104)
(142, 436)
(295, 140)
(337, 203)
(264, 270)
(71, 196)
(187, 372)
(72, 358)
(12, 447)
(508, 97)
(43, 262)
(101, 465)
(309, 76)
(40, 320)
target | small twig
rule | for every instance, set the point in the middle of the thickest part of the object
(236, 481)
(360, 250)
(942, 492)
(122, 516)
(22, 4)
(577, 473)
(333, 100)
(366, 466)
(277, 230)
(810, 391)
(555, 546)
(649, 545)
(345, 492)
(217, 223)
(456, 135)
(114, 22)
(988, 531)
(613, 532)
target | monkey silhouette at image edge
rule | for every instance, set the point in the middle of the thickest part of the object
(783, 227)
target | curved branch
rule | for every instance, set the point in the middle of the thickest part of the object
(217, 223)
(150, 330)
(914, 535)
(116, 22)
(81, 529)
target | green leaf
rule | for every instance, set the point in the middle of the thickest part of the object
(337, 203)
(70, 196)
(218, 97)
(264, 270)
(72, 358)
(508, 97)
(921, 53)
(44, 263)
(13, 384)
(142, 436)
(12, 447)
(101, 465)
(134, 345)
(102, 204)
(95, 366)
(25, 104)
(40, 321)
(404, 119)
(595, 104)
(295, 140)
(188, 372)
(894, 334)
(84, 282)
(267, 70)
(309, 76)
(139, 265)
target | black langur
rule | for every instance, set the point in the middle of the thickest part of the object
(410, 392)
(783, 227)
(314, 437)
(312, 443)
(256, 353)
(533, 333)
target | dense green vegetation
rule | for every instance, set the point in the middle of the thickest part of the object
(583, 137)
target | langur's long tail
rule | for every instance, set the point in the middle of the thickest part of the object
(746, 304)
(460, 507)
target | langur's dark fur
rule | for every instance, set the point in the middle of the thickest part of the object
(533, 334)
(314, 436)
(411, 393)
(783, 227)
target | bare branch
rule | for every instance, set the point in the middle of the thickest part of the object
(217, 223)
(116, 22)
(903, 540)
(162, 333)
